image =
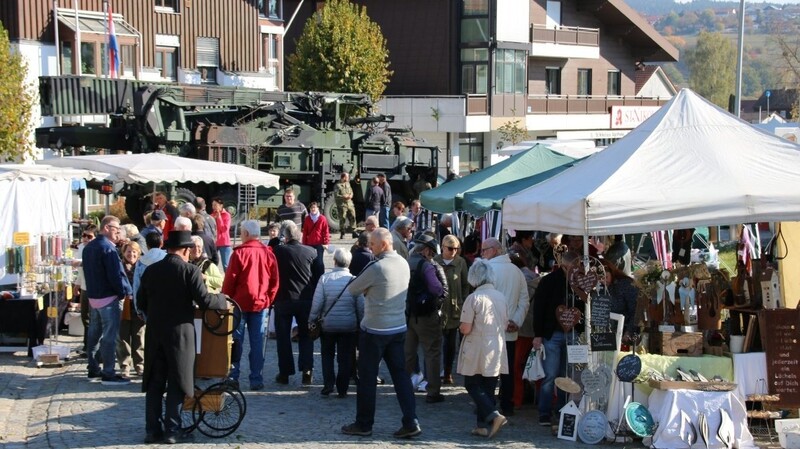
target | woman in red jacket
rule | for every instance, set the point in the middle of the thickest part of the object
(316, 233)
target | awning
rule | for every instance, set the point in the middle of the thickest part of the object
(95, 22)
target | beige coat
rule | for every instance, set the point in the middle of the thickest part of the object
(483, 351)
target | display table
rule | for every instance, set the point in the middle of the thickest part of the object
(750, 374)
(666, 407)
(19, 317)
(708, 366)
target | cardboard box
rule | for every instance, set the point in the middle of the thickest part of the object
(677, 343)
(788, 431)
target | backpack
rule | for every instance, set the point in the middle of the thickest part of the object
(419, 302)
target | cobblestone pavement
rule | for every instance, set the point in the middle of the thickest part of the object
(60, 408)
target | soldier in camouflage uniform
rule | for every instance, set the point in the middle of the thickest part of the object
(343, 193)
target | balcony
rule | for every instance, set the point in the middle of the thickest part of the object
(456, 113)
(564, 42)
(583, 105)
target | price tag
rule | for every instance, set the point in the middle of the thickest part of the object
(577, 353)
(52, 312)
(22, 238)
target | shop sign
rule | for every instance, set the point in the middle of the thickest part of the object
(22, 238)
(629, 117)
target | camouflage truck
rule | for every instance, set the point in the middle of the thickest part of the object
(308, 139)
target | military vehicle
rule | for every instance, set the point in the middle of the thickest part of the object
(308, 139)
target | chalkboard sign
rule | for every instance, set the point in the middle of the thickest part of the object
(604, 341)
(629, 368)
(568, 423)
(780, 336)
(601, 311)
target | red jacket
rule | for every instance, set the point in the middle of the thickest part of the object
(252, 276)
(316, 233)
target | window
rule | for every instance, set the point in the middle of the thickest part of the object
(66, 58)
(614, 82)
(167, 4)
(474, 70)
(470, 152)
(88, 63)
(167, 62)
(269, 8)
(270, 57)
(208, 59)
(475, 21)
(553, 80)
(584, 81)
(509, 72)
(127, 60)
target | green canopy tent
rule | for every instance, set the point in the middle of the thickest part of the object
(478, 202)
(449, 197)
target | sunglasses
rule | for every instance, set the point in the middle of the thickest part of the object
(88, 236)
(451, 248)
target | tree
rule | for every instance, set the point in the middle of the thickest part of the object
(16, 104)
(712, 68)
(341, 50)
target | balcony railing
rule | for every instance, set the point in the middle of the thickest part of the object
(565, 35)
(583, 104)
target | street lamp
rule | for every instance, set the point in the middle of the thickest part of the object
(768, 93)
(737, 105)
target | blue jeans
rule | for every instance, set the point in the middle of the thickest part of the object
(225, 256)
(254, 321)
(284, 312)
(383, 219)
(103, 334)
(371, 349)
(554, 366)
(481, 390)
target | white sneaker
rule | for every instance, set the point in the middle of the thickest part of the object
(416, 378)
(422, 387)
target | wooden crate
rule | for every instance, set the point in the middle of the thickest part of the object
(677, 343)
(214, 358)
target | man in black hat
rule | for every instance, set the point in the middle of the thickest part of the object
(426, 290)
(169, 289)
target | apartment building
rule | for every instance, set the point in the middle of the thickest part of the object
(571, 69)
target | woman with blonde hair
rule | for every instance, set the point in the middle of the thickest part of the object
(130, 343)
(483, 351)
(455, 270)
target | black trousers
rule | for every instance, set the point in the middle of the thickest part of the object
(339, 345)
(507, 380)
(158, 383)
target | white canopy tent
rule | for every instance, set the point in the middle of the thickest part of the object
(156, 167)
(36, 199)
(690, 164)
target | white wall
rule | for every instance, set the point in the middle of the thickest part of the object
(513, 21)
(41, 60)
(656, 87)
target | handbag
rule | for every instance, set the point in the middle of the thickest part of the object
(533, 367)
(315, 326)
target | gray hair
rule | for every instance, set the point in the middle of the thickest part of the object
(480, 273)
(183, 224)
(495, 243)
(401, 223)
(251, 227)
(198, 241)
(372, 219)
(383, 234)
(342, 258)
(188, 208)
(290, 231)
(130, 230)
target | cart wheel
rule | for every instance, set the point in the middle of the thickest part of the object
(218, 412)
(214, 320)
(234, 391)
(188, 421)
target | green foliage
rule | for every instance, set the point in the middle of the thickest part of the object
(341, 50)
(513, 131)
(16, 103)
(712, 68)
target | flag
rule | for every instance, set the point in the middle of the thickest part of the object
(113, 47)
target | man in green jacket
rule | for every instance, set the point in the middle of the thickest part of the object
(343, 193)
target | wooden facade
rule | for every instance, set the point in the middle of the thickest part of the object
(236, 23)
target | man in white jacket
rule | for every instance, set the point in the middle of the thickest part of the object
(510, 281)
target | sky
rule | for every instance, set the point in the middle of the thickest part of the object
(755, 1)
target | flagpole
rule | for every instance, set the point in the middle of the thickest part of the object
(107, 65)
(55, 37)
(737, 104)
(77, 38)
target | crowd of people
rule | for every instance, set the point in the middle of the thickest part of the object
(409, 294)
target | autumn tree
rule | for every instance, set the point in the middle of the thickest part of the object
(787, 60)
(712, 67)
(16, 103)
(341, 50)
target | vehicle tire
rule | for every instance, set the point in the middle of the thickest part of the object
(135, 205)
(184, 195)
(331, 212)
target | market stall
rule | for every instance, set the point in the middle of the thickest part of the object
(691, 164)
